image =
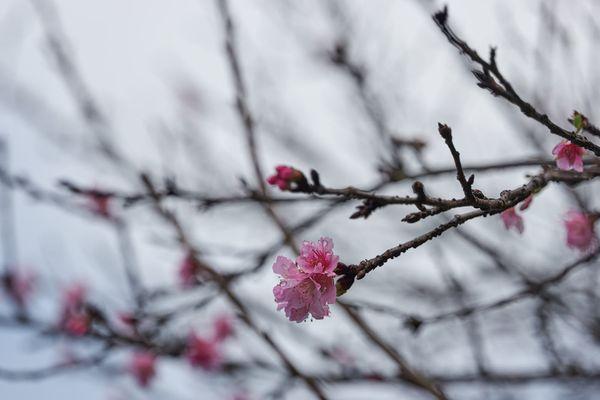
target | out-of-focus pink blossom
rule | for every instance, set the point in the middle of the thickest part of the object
(526, 203)
(74, 295)
(18, 285)
(512, 220)
(568, 156)
(77, 323)
(203, 353)
(187, 272)
(223, 328)
(128, 319)
(189, 96)
(580, 231)
(240, 396)
(75, 318)
(284, 176)
(307, 285)
(342, 356)
(100, 204)
(128, 323)
(142, 367)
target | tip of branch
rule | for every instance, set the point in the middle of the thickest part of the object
(441, 16)
(445, 131)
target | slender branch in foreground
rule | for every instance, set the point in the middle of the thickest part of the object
(491, 78)
(533, 289)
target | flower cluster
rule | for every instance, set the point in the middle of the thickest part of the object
(205, 352)
(307, 285)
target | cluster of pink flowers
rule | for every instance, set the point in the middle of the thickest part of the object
(284, 177)
(75, 318)
(18, 286)
(188, 270)
(142, 367)
(568, 156)
(512, 219)
(580, 231)
(307, 285)
(205, 352)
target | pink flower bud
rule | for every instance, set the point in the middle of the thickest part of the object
(284, 177)
(568, 156)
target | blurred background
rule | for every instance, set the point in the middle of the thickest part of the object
(95, 93)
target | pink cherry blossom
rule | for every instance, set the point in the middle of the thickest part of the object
(75, 318)
(512, 220)
(18, 285)
(568, 156)
(188, 268)
(223, 328)
(142, 367)
(307, 285)
(318, 257)
(203, 353)
(284, 176)
(580, 231)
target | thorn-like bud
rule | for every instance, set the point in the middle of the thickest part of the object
(342, 269)
(471, 179)
(412, 217)
(413, 323)
(418, 188)
(445, 131)
(314, 175)
(346, 278)
(441, 16)
(478, 193)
